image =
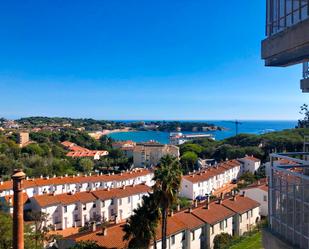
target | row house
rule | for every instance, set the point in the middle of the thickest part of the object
(194, 228)
(76, 209)
(79, 183)
(206, 181)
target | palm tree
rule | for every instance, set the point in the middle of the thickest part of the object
(168, 179)
(141, 226)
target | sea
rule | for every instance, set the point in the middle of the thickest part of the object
(245, 126)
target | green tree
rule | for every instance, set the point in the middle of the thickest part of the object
(222, 241)
(168, 179)
(188, 161)
(141, 227)
(86, 165)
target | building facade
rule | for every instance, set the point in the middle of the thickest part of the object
(148, 154)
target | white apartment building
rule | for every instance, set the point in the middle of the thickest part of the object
(259, 192)
(208, 180)
(247, 213)
(79, 183)
(75, 210)
(149, 154)
(250, 164)
(194, 228)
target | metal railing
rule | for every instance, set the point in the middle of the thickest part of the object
(289, 197)
(282, 14)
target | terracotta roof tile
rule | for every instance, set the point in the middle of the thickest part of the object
(215, 213)
(241, 204)
(106, 194)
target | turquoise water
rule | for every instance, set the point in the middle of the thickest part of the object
(251, 127)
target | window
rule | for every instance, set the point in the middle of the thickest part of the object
(112, 201)
(212, 229)
(103, 203)
(265, 198)
(173, 239)
(193, 235)
(84, 206)
(221, 225)
(247, 214)
(94, 205)
(225, 223)
(75, 217)
(120, 201)
(112, 212)
(251, 212)
(129, 199)
(65, 209)
(183, 236)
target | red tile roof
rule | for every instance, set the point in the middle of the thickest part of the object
(7, 185)
(252, 158)
(113, 239)
(241, 204)
(212, 171)
(87, 197)
(214, 214)
(106, 194)
(10, 198)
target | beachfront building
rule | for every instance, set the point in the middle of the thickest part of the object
(193, 228)
(149, 154)
(79, 183)
(206, 181)
(76, 209)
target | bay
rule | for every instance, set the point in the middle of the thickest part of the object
(246, 126)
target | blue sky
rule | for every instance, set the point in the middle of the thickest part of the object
(139, 59)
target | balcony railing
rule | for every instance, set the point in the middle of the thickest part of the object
(289, 197)
(282, 14)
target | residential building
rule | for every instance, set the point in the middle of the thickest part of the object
(79, 183)
(78, 151)
(287, 31)
(250, 164)
(206, 181)
(149, 154)
(258, 191)
(247, 213)
(127, 147)
(23, 139)
(193, 228)
(76, 209)
(289, 199)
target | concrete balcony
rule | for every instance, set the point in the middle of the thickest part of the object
(288, 47)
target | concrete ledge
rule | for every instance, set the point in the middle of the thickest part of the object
(288, 47)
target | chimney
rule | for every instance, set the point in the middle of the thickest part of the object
(27, 178)
(234, 197)
(178, 208)
(90, 174)
(207, 202)
(243, 193)
(195, 203)
(1, 182)
(78, 174)
(172, 213)
(104, 231)
(124, 187)
(66, 175)
(259, 182)
(93, 227)
(41, 176)
(54, 176)
(18, 209)
(190, 210)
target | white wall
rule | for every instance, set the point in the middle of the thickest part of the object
(261, 197)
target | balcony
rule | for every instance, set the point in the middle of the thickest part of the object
(287, 31)
(289, 198)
